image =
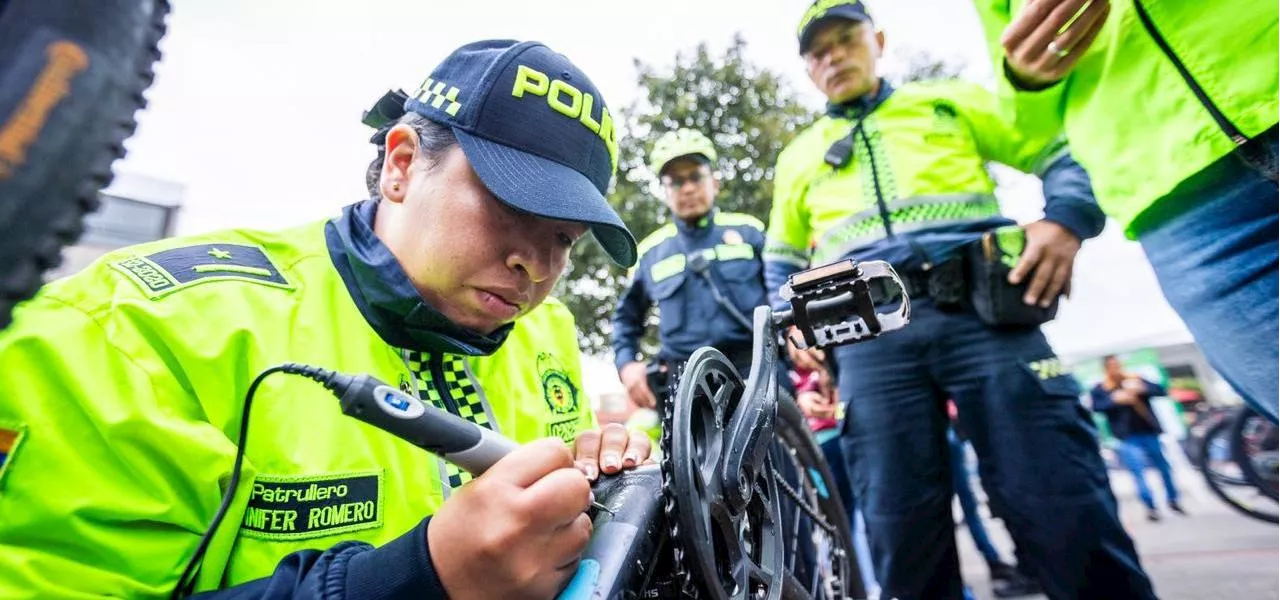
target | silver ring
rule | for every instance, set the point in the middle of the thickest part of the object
(1058, 52)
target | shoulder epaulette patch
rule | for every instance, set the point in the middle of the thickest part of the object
(738, 219)
(167, 271)
(662, 234)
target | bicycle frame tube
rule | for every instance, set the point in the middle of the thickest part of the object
(624, 545)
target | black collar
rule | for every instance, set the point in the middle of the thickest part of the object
(861, 106)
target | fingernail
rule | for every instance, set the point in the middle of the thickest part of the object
(610, 461)
(630, 459)
(591, 497)
(1029, 301)
(592, 473)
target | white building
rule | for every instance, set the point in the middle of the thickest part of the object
(135, 209)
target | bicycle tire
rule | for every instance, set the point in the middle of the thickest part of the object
(791, 430)
(72, 77)
(1213, 479)
(1232, 481)
(1240, 454)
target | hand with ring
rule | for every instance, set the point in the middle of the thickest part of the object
(1048, 37)
(1058, 52)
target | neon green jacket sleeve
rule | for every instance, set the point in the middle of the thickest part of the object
(787, 238)
(114, 474)
(999, 138)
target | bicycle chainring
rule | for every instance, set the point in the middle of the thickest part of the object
(726, 542)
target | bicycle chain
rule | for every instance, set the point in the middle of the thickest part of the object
(808, 510)
(684, 580)
(817, 519)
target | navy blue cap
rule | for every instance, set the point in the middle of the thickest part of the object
(536, 131)
(825, 11)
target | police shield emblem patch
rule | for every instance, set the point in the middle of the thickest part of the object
(945, 119)
(731, 237)
(558, 389)
(559, 392)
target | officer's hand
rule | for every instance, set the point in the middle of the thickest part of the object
(809, 359)
(518, 530)
(814, 404)
(1038, 51)
(1134, 383)
(636, 381)
(1124, 397)
(610, 449)
(1050, 252)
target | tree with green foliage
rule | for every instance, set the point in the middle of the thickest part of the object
(750, 113)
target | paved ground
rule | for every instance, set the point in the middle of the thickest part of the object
(1212, 553)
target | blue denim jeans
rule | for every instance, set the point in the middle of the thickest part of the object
(1214, 249)
(1037, 448)
(1136, 452)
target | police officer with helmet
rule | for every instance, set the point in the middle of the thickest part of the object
(702, 270)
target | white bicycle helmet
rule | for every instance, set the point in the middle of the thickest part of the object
(678, 143)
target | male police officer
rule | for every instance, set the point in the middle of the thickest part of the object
(899, 175)
(702, 269)
(124, 396)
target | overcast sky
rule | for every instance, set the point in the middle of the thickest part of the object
(261, 100)
(257, 104)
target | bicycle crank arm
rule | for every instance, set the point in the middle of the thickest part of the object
(751, 426)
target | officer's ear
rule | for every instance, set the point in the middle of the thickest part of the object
(715, 184)
(879, 47)
(402, 150)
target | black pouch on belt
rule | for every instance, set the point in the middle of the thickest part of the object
(995, 300)
(947, 285)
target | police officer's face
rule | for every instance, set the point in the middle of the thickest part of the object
(691, 188)
(841, 59)
(478, 261)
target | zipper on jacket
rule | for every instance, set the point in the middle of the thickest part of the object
(859, 131)
(442, 388)
(1223, 123)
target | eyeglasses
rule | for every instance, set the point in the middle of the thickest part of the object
(695, 177)
(846, 38)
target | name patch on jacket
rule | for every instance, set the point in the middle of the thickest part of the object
(294, 508)
(164, 272)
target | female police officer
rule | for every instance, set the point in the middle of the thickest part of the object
(124, 386)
